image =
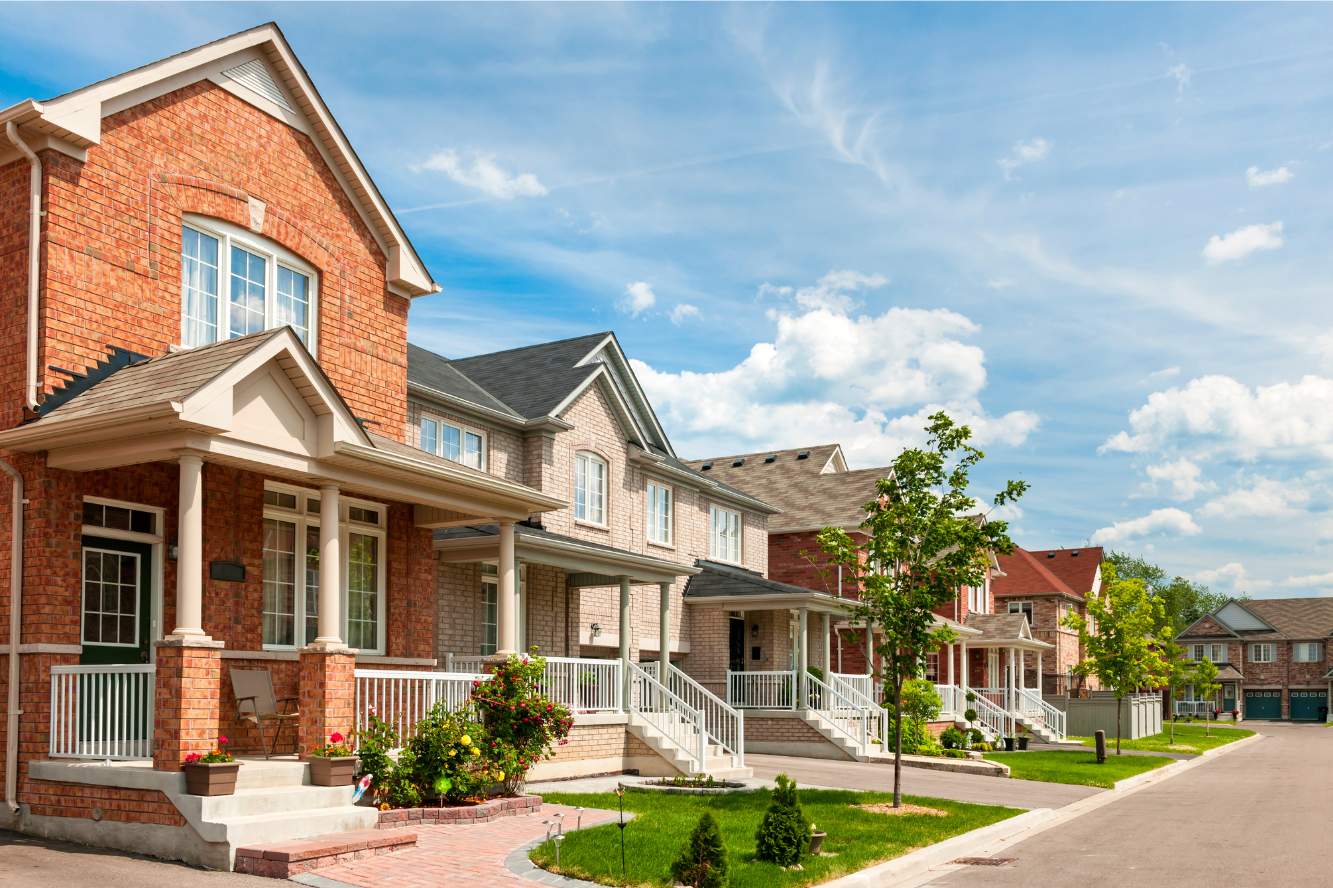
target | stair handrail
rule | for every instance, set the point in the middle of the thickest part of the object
(818, 692)
(725, 724)
(999, 721)
(856, 695)
(683, 725)
(1052, 718)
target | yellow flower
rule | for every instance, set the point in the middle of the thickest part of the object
(451, 752)
(467, 741)
(476, 751)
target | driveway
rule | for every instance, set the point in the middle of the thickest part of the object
(27, 862)
(877, 777)
(1252, 818)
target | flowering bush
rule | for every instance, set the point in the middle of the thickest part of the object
(216, 757)
(522, 724)
(373, 745)
(335, 748)
(446, 755)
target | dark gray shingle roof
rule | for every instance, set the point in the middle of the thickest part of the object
(428, 369)
(535, 379)
(719, 580)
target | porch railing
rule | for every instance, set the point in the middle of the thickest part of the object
(998, 697)
(466, 665)
(1032, 704)
(103, 712)
(404, 698)
(583, 685)
(995, 720)
(725, 725)
(951, 700)
(1196, 708)
(864, 727)
(679, 723)
(761, 690)
(849, 683)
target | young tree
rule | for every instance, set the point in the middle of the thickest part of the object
(1175, 670)
(1206, 687)
(924, 542)
(1119, 637)
(703, 859)
(1183, 601)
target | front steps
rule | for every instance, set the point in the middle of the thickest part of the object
(717, 762)
(837, 738)
(282, 860)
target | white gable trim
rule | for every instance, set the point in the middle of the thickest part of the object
(623, 378)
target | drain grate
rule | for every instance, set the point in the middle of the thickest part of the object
(985, 861)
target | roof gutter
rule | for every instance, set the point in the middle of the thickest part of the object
(34, 257)
(15, 632)
(514, 421)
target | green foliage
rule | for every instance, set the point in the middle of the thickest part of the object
(447, 757)
(971, 715)
(703, 859)
(976, 736)
(784, 834)
(921, 700)
(1183, 601)
(522, 724)
(955, 753)
(1206, 687)
(401, 787)
(374, 742)
(952, 738)
(1175, 670)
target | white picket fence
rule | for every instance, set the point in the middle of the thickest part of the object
(402, 699)
(583, 685)
(761, 690)
(103, 712)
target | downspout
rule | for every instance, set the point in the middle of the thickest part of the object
(15, 622)
(34, 258)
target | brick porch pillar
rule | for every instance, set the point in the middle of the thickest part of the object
(188, 700)
(327, 695)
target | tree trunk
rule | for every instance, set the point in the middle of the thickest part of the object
(1171, 693)
(898, 750)
(1118, 710)
(1207, 716)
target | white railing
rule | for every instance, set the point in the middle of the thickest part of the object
(679, 723)
(863, 726)
(725, 725)
(860, 683)
(998, 697)
(951, 700)
(404, 698)
(761, 690)
(1196, 708)
(583, 685)
(464, 665)
(103, 712)
(998, 722)
(1031, 704)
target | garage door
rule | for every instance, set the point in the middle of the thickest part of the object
(1263, 704)
(1306, 704)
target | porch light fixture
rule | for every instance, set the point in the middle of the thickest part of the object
(173, 549)
(754, 631)
(596, 630)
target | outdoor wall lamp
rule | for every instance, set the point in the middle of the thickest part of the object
(596, 630)
(754, 631)
(173, 549)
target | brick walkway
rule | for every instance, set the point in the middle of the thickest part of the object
(456, 856)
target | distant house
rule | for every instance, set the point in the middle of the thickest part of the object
(1272, 658)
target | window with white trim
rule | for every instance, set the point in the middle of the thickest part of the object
(234, 282)
(457, 443)
(658, 497)
(932, 670)
(724, 535)
(292, 565)
(1262, 653)
(490, 596)
(589, 488)
(1307, 652)
(1216, 653)
(1022, 607)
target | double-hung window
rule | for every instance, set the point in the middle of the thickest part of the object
(1307, 652)
(1022, 607)
(453, 442)
(292, 566)
(589, 488)
(932, 670)
(724, 534)
(234, 282)
(1216, 653)
(490, 606)
(658, 498)
(1262, 653)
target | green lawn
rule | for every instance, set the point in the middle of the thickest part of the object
(1079, 768)
(1189, 738)
(663, 822)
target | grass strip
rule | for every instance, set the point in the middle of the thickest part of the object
(1189, 738)
(1075, 767)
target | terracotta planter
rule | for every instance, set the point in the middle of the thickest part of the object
(817, 841)
(333, 770)
(217, 779)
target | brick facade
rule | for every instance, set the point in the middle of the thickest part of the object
(327, 694)
(187, 710)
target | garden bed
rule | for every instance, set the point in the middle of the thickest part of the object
(664, 785)
(480, 812)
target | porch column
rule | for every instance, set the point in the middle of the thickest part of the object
(507, 618)
(330, 580)
(951, 684)
(1009, 691)
(827, 664)
(803, 656)
(1040, 689)
(624, 643)
(962, 667)
(190, 551)
(664, 630)
(870, 652)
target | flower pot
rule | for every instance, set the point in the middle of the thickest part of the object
(1023, 744)
(333, 770)
(217, 779)
(817, 841)
(1008, 744)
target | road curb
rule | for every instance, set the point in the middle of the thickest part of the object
(1167, 771)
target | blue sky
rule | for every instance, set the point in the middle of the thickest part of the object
(1097, 233)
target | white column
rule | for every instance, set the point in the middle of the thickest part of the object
(827, 664)
(521, 607)
(505, 599)
(870, 651)
(330, 571)
(951, 681)
(664, 629)
(190, 551)
(1008, 691)
(802, 656)
(624, 642)
(962, 668)
(1038, 673)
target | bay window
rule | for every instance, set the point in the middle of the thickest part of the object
(724, 535)
(235, 282)
(589, 488)
(453, 442)
(658, 497)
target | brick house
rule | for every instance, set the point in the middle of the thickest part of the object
(205, 401)
(1271, 655)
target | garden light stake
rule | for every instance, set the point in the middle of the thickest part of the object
(620, 792)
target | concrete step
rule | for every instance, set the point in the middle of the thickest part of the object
(261, 774)
(275, 800)
(283, 827)
(282, 860)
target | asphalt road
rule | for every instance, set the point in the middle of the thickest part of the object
(27, 862)
(1255, 817)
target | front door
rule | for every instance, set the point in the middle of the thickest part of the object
(737, 645)
(117, 601)
(993, 668)
(1229, 697)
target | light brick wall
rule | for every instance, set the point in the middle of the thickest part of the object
(600, 742)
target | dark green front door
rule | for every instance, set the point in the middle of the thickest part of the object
(1228, 696)
(1307, 705)
(1263, 704)
(117, 601)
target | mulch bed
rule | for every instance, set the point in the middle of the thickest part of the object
(887, 808)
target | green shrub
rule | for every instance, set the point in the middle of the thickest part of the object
(373, 745)
(402, 789)
(446, 755)
(971, 714)
(703, 859)
(955, 753)
(976, 737)
(784, 835)
(522, 723)
(952, 738)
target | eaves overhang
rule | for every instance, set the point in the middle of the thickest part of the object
(646, 459)
(568, 555)
(815, 601)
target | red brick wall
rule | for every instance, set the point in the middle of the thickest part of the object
(79, 799)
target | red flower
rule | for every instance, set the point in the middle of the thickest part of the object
(223, 740)
(336, 738)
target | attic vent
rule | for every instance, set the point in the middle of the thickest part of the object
(706, 466)
(738, 463)
(804, 454)
(255, 76)
(1050, 554)
(1073, 554)
(772, 457)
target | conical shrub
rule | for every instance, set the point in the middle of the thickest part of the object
(703, 858)
(784, 835)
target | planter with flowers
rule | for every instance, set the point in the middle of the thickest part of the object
(212, 774)
(333, 764)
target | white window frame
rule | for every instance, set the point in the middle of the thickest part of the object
(1215, 652)
(730, 538)
(1308, 646)
(227, 236)
(463, 431)
(1258, 649)
(589, 515)
(659, 510)
(83, 595)
(931, 672)
(1016, 607)
(490, 579)
(157, 563)
(305, 520)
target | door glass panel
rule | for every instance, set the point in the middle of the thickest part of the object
(110, 598)
(279, 582)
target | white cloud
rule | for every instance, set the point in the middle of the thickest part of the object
(1231, 576)
(1182, 475)
(1242, 242)
(639, 297)
(999, 283)
(1218, 417)
(1030, 151)
(1309, 580)
(1259, 179)
(868, 382)
(1165, 374)
(766, 289)
(484, 175)
(1264, 498)
(683, 311)
(1173, 522)
(1182, 74)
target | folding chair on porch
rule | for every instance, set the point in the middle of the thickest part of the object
(256, 703)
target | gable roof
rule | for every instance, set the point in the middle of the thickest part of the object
(1005, 627)
(1024, 574)
(534, 380)
(1271, 619)
(728, 582)
(1076, 568)
(259, 67)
